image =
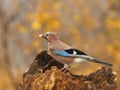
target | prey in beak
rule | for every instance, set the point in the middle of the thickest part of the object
(43, 36)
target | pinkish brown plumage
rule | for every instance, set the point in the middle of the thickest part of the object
(64, 53)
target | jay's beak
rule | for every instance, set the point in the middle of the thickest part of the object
(43, 36)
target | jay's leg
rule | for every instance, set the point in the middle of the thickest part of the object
(65, 68)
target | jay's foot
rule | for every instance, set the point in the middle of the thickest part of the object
(64, 70)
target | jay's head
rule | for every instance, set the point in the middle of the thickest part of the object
(49, 36)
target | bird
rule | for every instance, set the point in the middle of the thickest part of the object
(66, 54)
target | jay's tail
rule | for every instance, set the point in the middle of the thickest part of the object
(88, 58)
(95, 60)
(101, 62)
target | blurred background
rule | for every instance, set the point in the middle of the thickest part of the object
(92, 26)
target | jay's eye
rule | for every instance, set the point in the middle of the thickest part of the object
(46, 34)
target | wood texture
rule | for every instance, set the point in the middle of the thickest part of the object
(45, 74)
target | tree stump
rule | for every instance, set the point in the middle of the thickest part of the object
(45, 74)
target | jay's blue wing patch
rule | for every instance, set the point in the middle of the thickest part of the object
(61, 53)
(68, 52)
(75, 51)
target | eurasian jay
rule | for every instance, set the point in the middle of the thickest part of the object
(66, 54)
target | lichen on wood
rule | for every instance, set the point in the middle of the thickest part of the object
(45, 74)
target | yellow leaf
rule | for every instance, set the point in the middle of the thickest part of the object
(44, 16)
(117, 24)
(55, 24)
(56, 5)
(36, 25)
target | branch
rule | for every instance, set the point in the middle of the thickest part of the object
(45, 74)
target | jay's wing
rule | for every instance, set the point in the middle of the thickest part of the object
(69, 53)
(75, 53)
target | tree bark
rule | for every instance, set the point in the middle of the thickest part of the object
(45, 74)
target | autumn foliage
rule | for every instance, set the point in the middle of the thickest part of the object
(92, 26)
